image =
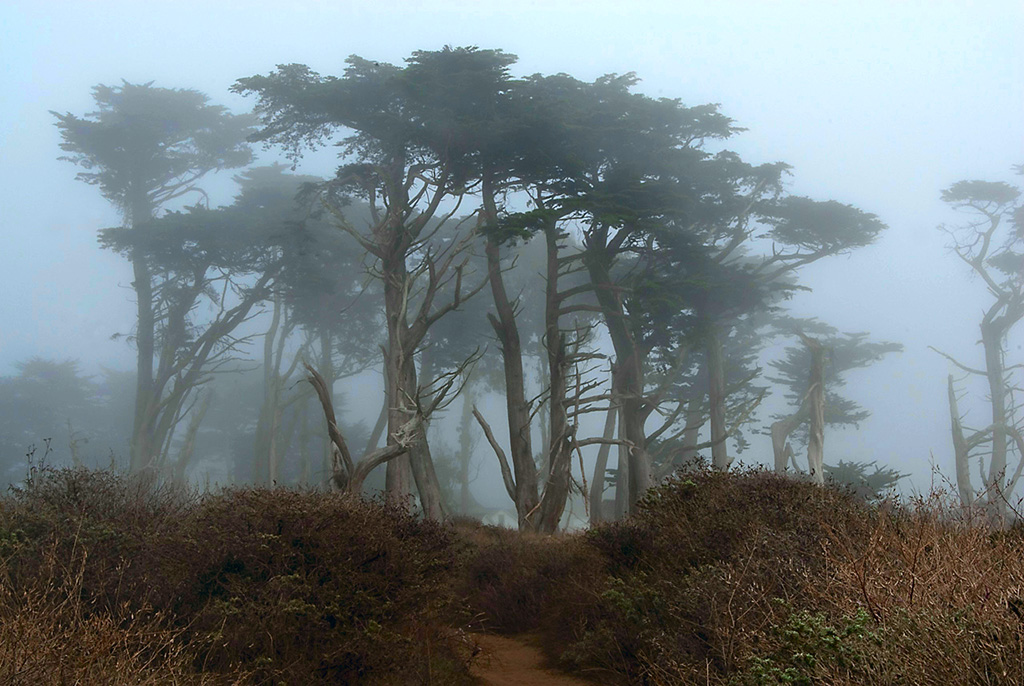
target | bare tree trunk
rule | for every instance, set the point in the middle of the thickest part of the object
(347, 475)
(142, 451)
(780, 432)
(270, 416)
(991, 339)
(188, 445)
(305, 461)
(465, 449)
(516, 406)
(597, 513)
(378, 428)
(691, 432)
(816, 399)
(398, 479)
(326, 367)
(629, 363)
(556, 484)
(622, 476)
(961, 451)
(716, 399)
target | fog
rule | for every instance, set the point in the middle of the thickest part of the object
(878, 105)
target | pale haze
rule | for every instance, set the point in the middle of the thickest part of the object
(881, 105)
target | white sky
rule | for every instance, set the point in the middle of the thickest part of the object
(876, 103)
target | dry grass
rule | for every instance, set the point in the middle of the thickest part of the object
(104, 581)
(721, 579)
(748, 578)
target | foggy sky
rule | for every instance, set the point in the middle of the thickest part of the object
(878, 104)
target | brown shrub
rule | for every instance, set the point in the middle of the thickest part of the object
(304, 586)
(508, 577)
(250, 585)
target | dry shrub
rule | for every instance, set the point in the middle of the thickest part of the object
(50, 634)
(507, 577)
(128, 532)
(743, 579)
(696, 574)
(304, 587)
(943, 590)
(247, 586)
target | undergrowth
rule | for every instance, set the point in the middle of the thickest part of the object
(101, 575)
(749, 578)
(738, 579)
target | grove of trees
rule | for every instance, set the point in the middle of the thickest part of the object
(580, 248)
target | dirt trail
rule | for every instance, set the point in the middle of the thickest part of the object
(517, 662)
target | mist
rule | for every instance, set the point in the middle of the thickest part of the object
(877, 106)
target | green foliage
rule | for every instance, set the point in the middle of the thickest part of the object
(53, 401)
(806, 642)
(146, 145)
(870, 486)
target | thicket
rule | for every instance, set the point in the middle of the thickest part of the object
(732, 579)
(103, 578)
(751, 578)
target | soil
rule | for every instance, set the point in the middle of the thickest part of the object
(517, 661)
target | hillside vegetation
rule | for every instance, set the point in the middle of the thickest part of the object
(741, 578)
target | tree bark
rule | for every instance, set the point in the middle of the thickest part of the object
(559, 449)
(465, 449)
(780, 432)
(597, 513)
(516, 407)
(961, 452)
(188, 445)
(629, 363)
(991, 338)
(622, 503)
(816, 400)
(716, 399)
(143, 447)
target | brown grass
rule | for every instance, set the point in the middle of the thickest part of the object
(723, 579)
(106, 581)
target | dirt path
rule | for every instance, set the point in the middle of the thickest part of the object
(517, 662)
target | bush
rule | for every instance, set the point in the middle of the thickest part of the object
(508, 578)
(305, 586)
(247, 586)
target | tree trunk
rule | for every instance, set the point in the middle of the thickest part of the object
(270, 414)
(422, 465)
(516, 406)
(716, 399)
(143, 447)
(622, 476)
(465, 449)
(305, 462)
(691, 432)
(961, 452)
(629, 363)
(780, 432)
(378, 428)
(597, 513)
(816, 400)
(327, 373)
(991, 339)
(559, 450)
(188, 445)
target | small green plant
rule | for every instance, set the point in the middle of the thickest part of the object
(810, 646)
